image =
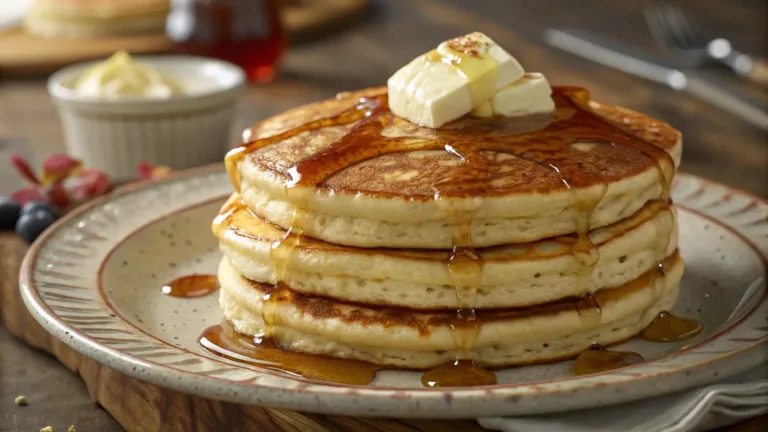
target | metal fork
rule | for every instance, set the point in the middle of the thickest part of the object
(678, 33)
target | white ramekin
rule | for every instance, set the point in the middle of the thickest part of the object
(182, 131)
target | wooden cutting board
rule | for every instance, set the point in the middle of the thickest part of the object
(22, 53)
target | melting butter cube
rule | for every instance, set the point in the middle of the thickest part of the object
(450, 81)
(531, 94)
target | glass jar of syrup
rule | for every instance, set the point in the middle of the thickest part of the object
(247, 33)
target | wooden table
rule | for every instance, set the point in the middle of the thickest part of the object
(717, 145)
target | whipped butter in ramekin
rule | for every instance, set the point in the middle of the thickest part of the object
(171, 110)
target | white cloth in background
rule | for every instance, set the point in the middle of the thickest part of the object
(727, 402)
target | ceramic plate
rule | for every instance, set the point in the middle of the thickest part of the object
(94, 281)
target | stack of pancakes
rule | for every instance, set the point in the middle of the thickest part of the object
(363, 262)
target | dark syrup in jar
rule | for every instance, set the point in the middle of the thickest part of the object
(247, 33)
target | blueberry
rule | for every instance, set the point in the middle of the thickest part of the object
(30, 225)
(9, 213)
(33, 206)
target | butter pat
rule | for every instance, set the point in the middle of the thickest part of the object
(452, 80)
(531, 94)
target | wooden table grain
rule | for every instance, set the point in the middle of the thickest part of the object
(717, 145)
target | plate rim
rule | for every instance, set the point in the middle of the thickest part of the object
(153, 371)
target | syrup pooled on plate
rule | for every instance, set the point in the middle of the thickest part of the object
(224, 342)
(543, 140)
(667, 327)
(194, 285)
(598, 359)
(461, 373)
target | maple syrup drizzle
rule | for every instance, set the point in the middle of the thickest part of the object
(589, 310)
(545, 141)
(279, 254)
(464, 263)
(667, 327)
(226, 217)
(662, 238)
(584, 250)
(194, 285)
(366, 108)
(598, 359)
(224, 342)
(480, 72)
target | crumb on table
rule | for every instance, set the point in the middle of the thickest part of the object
(20, 400)
(46, 429)
(71, 429)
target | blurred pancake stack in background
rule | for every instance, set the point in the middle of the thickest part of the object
(89, 18)
(39, 36)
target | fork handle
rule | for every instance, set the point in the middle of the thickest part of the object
(758, 73)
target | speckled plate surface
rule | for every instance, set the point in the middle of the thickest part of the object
(94, 280)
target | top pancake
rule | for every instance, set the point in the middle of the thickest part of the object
(389, 200)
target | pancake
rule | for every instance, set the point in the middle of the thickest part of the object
(89, 18)
(521, 194)
(512, 275)
(403, 338)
